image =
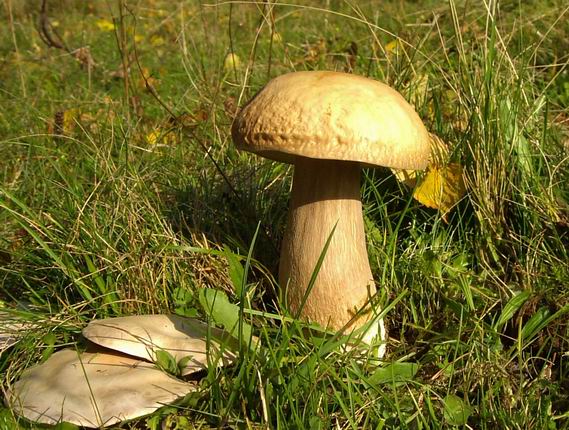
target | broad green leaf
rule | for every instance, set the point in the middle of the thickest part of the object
(396, 373)
(49, 340)
(183, 298)
(540, 320)
(456, 411)
(216, 304)
(166, 362)
(153, 422)
(535, 323)
(177, 422)
(236, 270)
(511, 308)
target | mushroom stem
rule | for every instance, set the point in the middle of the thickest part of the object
(325, 194)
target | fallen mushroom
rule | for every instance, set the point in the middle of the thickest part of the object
(329, 125)
(93, 389)
(184, 338)
(12, 330)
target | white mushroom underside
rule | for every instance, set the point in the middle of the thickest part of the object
(92, 389)
(184, 338)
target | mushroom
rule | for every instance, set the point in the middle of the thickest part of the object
(93, 389)
(12, 330)
(143, 335)
(330, 125)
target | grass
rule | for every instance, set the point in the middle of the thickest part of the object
(111, 206)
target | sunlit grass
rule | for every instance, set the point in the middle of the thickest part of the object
(121, 193)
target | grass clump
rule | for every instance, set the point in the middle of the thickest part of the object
(121, 193)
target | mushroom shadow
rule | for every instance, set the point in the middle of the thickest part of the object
(230, 213)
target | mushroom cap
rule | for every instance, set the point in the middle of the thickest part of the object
(334, 116)
(92, 389)
(12, 329)
(143, 335)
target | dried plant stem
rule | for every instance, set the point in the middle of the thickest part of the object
(122, 45)
(16, 50)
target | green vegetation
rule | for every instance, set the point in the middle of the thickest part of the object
(121, 193)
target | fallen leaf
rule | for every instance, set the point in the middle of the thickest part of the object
(83, 55)
(105, 25)
(441, 188)
(147, 79)
(63, 122)
(157, 40)
(231, 62)
(393, 48)
(439, 157)
(230, 107)
(159, 136)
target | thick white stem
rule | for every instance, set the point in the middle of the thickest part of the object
(326, 194)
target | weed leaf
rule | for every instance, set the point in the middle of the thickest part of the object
(216, 304)
(511, 308)
(394, 373)
(236, 271)
(166, 362)
(456, 411)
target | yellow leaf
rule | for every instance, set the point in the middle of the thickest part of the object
(231, 62)
(439, 151)
(393, 47)
(406, 177)
(441, 188)
(105, 25)
(153, 137)
(63, 122)
(69, 120)
(158, 136)
(157, 40)
(438, 157)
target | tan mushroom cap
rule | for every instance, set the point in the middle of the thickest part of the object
(93, 389)
(334, 116)
(143, 335)
(12, 329)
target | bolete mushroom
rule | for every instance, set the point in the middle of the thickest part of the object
(330, 125)
(93, 389)
(184, 338)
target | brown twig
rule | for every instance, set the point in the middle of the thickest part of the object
(45, 31)
(52, 39)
